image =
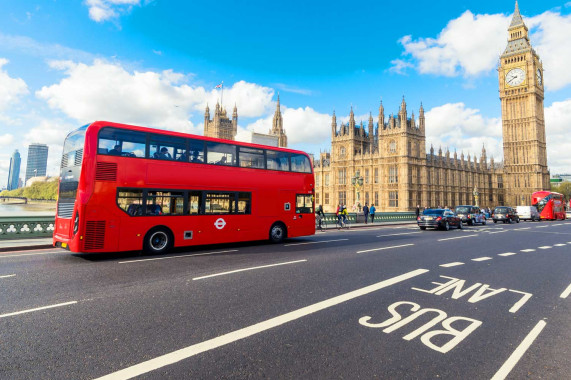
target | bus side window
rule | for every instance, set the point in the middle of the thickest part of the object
(244, 203)
(121, 142)
(130, 201)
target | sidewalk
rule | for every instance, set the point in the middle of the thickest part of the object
(25, 244)
(42, 243)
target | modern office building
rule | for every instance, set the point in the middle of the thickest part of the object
(37, 161)
(14, 172)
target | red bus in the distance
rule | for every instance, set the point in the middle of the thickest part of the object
(126, 188)
(550, 205)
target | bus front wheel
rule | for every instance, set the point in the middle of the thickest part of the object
(278, 233)
(158, 240)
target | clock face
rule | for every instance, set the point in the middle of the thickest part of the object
(539, 80)
(515, 77)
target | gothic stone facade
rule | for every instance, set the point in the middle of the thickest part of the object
(397, 174)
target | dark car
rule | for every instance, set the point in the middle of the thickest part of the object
(438, 218)
(505, 214)
(470, 215)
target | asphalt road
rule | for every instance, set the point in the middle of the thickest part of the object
(389, 302)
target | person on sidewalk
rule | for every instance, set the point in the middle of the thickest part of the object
(320, 215)
(366, 212)
(417, 212)
(372, 212)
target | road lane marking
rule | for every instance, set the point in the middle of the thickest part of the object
(482, 259)
(406, 233)
(314, 242)
(451, 264)
(541, 226)
(187, 352)
(380, 249)
(176, 257)
(566, 292)
(8, 276)
(527, 250)
(497, 232)
(507, 254)
(545, 247)
(506, 368)
(7, 256)
(245, 269)
(519, 229)
(37, 309)
(559, 245)
(458, 237)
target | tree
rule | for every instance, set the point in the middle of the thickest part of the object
(563, 188)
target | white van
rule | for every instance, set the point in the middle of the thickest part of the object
(528, 213)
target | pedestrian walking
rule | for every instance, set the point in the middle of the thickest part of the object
(372, 212)
(417, 212)
(366, 212)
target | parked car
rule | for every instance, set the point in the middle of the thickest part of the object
(505, 214)
(438, 218)
(528, 213)
(471, 215)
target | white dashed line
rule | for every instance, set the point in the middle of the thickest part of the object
(37, 309)
(527, 250)
(175, 257)
(314, 242)
(545, 247)
(482, 259)
(541, 226)
(505, 369)
(245, 269)
(451, 264)
(459, 237)
(559, 245)
(8, 275)
(497, 232)
(406, 233)
(507, 254)
(380, 249)
(524, 228)
(566, 292)
(222, 340)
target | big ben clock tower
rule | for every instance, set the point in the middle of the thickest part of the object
(523, 123)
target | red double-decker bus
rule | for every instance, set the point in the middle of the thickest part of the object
(550, 205)
(125, 188)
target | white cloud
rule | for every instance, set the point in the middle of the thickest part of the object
(557, 122)
(459, 49)
(11, 89)
(103, 10)
(456, 127)
(6, 140)
(108, 91)
(471, 45)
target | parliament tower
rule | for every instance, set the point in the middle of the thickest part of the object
(523, 123)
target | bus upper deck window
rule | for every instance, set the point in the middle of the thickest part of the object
(121, 142)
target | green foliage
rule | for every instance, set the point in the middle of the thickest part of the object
(563, 188)
(38, 190)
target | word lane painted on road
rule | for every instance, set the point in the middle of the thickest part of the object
(480, 292)
(396, 321)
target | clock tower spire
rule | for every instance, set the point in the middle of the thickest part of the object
(523, 124)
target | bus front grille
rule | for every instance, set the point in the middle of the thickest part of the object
(106, 171)
(65, 210)
(95, 235)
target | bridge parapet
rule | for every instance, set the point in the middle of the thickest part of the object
(24, 227)
(14, 200)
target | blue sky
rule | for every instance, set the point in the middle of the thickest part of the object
(156, 63)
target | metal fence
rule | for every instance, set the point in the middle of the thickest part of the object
(379, 217)
(25, 227)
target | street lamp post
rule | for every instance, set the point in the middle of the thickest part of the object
(357, 182)
(476, 194)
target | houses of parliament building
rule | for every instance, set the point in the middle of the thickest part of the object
(386, 164)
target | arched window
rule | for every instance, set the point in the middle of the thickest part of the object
(393, 146)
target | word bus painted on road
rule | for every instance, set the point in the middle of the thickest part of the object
(125, 187)
(550, 205)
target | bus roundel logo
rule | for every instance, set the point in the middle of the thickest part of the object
(220, 223)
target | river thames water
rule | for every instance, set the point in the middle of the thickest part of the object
(40, 209)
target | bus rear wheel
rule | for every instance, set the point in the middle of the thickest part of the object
(278, 233)
(157, 241)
